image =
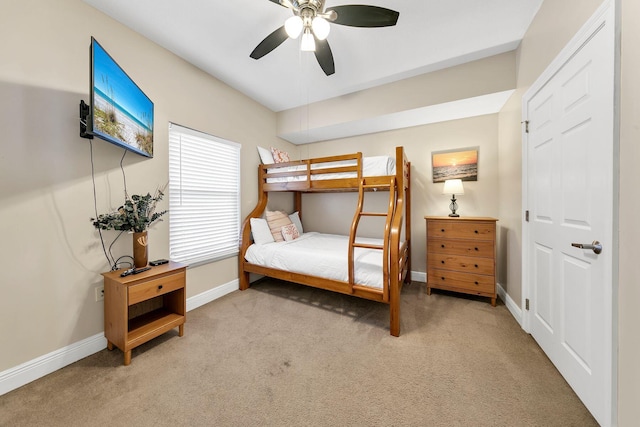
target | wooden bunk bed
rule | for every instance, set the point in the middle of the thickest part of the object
(341, 174)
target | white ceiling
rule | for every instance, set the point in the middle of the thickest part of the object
(217, 36)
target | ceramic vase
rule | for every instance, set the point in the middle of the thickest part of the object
(140, 253)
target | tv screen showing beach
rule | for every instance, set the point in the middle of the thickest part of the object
(122, 113)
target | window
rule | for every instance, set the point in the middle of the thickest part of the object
(204, 196)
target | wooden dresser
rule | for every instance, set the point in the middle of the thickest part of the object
(461, 255)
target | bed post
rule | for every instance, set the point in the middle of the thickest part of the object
(407, 191)
(395, 275)
(394, 310)
(297, 203)
(401, 214)
(245, 232)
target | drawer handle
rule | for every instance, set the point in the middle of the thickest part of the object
(476, 231)
(476, 265)
(442, 230)
(442, 246)
(476, 283)
(442, 278)
(442, 262)
(476, 249)
(159, 287)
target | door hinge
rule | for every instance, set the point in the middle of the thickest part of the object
(526, 216)
(526, 126)
(526, 304)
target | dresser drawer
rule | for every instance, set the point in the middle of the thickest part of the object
(468, 282)
(460, 263)
(461, 230)
(475, 248)
(155, 287)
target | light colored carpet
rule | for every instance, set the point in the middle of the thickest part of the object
(281, 354)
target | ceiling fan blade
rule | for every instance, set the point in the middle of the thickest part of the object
(325, 57)
(269, 43)
(358, 15)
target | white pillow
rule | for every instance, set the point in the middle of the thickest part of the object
(261, 232)
(265, 156)
(295, 218)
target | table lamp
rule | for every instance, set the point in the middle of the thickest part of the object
(453, 187)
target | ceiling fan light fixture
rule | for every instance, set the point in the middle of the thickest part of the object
(313, 21)
(320, 27)
(293, 26)
(308, 43)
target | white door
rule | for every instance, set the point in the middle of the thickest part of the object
(569, 196)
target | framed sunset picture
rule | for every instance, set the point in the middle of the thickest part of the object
(455, 164)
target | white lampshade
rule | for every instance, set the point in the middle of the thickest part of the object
(308, 43)
(453, 186)
(293, 26)
(320, 27)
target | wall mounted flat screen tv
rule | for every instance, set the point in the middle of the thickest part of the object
(120, 112)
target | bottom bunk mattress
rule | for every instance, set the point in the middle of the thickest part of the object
(321, 255)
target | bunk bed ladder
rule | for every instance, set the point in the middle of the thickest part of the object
(391, 186)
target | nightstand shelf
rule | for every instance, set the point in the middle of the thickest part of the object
(150, 325)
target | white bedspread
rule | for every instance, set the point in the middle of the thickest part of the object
(371, 166)
(322, 255)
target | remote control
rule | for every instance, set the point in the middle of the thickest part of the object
(140, 270)
(159, 262)
(127, 272)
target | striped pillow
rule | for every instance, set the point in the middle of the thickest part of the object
(276, 221)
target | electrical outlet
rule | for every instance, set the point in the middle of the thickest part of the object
(99, 292)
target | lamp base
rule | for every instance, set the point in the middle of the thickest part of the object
(453, 206)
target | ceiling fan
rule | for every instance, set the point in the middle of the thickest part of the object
(312, 21)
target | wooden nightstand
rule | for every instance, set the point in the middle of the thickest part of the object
(138, 308)
(461, 255)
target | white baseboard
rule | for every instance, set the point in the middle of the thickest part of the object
(511, 305)
(212, 294)
(29, 371)
(419, 276)
(44, 365)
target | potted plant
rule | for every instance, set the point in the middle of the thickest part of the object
(136, 215)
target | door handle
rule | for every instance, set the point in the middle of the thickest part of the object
(595, 246)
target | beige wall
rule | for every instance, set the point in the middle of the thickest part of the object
(490, 75)
(510, 194)
(629, 232)
(480, 198)
(51, 255)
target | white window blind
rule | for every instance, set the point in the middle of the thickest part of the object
(204, 196)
